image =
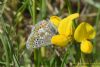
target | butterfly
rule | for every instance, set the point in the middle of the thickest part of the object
(40, 35)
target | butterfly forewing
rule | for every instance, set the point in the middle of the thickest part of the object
(40, 35)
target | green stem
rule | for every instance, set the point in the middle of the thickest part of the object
(16, 61)
(96, 41)
(82, 58)
(43, 9)
(2, 7)
(64, 59)
(32, 9)
(37, 53)
(78, 4)
(69, 6)
(98, 18)
(6, 51)
(43, 16)
(37, 57)
(2, 63)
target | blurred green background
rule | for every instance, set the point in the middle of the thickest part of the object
(17, 18)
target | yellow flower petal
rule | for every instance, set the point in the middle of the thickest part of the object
(86, 46)
(65, 29)
(55, 20)
(84, 31)
(91, 31)
(59, 40)
(71, 17)
(65, 26)
(80, 32)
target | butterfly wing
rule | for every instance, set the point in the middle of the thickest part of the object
(40, 35)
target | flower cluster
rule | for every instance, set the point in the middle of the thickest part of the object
(83, 33)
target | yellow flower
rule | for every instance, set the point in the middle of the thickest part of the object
(65, 29)
(83, 33)
(86, 46)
